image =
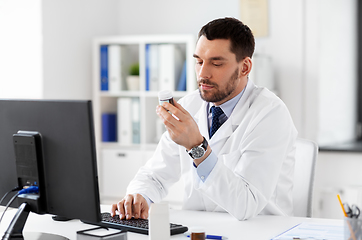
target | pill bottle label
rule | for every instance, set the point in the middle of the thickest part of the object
(166, 100)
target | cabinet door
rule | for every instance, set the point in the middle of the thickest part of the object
(118, 168)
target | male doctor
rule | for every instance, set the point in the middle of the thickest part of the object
(233, 143)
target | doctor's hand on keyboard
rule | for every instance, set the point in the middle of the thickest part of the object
(131, 206)
(135, 225)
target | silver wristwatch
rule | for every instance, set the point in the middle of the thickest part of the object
(198, 151)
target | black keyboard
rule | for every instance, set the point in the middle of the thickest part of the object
(135, 225)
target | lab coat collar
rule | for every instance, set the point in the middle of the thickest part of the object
(232, 123)
(242, 106)
(201, 120)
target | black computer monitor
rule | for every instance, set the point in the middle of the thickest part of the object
(65, 145)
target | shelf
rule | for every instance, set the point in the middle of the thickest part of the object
(120, 94)
(142, 103)
(176, 94)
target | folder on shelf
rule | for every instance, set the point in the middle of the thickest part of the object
(109, 127)
(104, 67)
(124, 120)
(147, 67)
(136, 131)
(181, 85)
(116, 67)
(170, 65)
(152, 67)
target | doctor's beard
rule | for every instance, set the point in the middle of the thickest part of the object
(219, 95)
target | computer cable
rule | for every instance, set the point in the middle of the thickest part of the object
(6, 194)
(7, 205)
(31, 189)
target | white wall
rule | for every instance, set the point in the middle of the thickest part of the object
(171, 17)
(45, 46)
(286, 48)
(68, 29)
(20, 49)
(337, 71)
(330, 70)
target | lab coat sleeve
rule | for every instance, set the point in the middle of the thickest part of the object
(244, 179)
(159, 173)
(163, 169)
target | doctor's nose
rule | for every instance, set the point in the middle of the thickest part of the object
(203, 72)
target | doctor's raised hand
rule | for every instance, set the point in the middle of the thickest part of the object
(184, 130)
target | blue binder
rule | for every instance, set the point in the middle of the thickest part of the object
(104, 68)
(147, 67)
(109, 127)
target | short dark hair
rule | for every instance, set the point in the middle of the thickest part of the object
(240, 35)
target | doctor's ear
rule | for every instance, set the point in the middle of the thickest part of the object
(246, 65)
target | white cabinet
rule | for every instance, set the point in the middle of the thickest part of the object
(117, 169)
(119, 160)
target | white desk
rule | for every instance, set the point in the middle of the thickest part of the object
(261, 227)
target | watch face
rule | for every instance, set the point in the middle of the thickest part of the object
(198, 152)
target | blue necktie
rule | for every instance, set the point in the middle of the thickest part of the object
(216, 113)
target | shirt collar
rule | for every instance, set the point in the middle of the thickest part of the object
(228, 107)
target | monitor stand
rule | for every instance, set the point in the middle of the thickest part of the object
(15, 229)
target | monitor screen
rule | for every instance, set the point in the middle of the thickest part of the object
(68, 152)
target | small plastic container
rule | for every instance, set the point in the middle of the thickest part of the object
(159, 223)
(165, 96)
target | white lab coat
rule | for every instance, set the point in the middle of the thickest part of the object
(254, 172)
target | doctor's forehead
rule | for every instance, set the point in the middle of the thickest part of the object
(209, 49)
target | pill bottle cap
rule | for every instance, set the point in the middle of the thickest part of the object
(165, 94)
(197, 229)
